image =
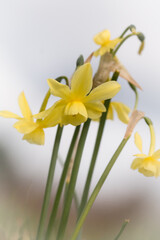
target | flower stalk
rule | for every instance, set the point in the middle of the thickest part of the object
(98, 188)
(41, 227)
(71, 187)
(61, 185)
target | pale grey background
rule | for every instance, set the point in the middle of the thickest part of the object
(42, 39)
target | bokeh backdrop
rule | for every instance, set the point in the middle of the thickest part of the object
(42, 39)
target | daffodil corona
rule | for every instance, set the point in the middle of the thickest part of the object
(103, 39)
(148, 165)
(79, 102)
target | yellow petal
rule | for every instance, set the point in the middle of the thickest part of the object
(23, 104)
(103, 50)
(138, 141)
(53, 118)
(75, 120)
(122, 111)
(95, 110)
(73, 108)
(24, 126)
(114, 42)
(97, 53)
(58, 89)
(8, 114)
(156, 154)
(110, 112)
(49, 111)
(35, 137)
(104, 91)
(136, 163)
(140, 155)
(145, 172)
(102, 37)
(97, 106)
(81, 82)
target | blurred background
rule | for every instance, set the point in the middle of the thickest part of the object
(42, 39)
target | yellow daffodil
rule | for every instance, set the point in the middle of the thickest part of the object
(79, 102)
(33, 131)
(148, 165)
(121, 109)
(103, 39)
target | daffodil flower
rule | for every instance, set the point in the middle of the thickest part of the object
(79, 102)
(148, 165)
(121, 109)
(33, 131)
(103, 39)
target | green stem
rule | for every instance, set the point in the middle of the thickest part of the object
(124, 39)
(97, 189)
(71, 187)
(95, 151)
(130, 27)
(40, 232)
(93, 160)
(45, 101)
(136, 95)
(61, 184)
(152, 144)
(136, 100)
(122, 229)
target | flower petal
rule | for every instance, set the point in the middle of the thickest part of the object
(156, 154)
(35, 137)
(104, 91)
(102, 37)
(53, 118)
(95, 110)
(138, 141)
(58, 89)
(8, 114)
(74, 108)
(24, 126)
(140, 155)
(23, 104)
(81, 82)
(136, 163)
(122, 111)
(110, 112)
(75, 120)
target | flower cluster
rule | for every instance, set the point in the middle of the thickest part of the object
(77, 103)
(84, 98)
